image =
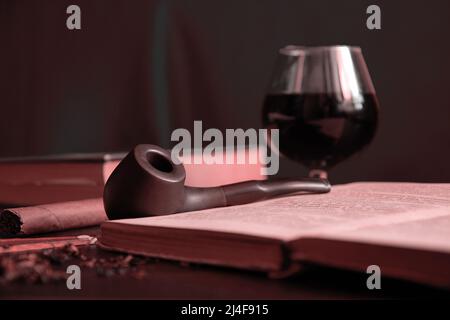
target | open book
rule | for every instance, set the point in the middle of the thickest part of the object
(404, 228)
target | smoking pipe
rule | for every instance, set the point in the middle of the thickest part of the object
(148, 183)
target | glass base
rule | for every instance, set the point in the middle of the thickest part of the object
(318, 173)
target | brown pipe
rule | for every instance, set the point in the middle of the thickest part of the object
(148, 183)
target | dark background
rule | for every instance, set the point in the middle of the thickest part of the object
(139, 69)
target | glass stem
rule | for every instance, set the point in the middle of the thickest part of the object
(318, 173)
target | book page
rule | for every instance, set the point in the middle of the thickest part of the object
(346, 207)
(427, 230)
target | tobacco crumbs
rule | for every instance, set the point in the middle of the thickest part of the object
(50, 265)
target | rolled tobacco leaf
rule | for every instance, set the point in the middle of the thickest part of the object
(51, 217)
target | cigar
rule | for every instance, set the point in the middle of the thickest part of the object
(51, 217)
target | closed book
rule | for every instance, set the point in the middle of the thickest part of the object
(54, 178)
(29, 181)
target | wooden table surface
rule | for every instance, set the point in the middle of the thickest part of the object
(172, 280)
